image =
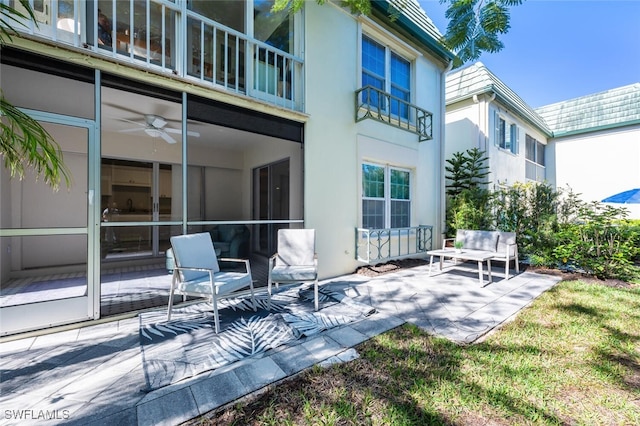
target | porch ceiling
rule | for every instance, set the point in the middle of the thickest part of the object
(121, 110)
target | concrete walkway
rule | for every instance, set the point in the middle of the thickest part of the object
(94, 375)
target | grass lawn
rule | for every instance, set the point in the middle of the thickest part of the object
(572, 357)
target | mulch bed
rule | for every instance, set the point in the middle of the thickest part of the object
(391, 266)
(397, 265)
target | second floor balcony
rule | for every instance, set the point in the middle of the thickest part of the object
(238, 46)
(379, 105)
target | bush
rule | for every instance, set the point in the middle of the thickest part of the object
(602, 243)
(529, 209)
(554, 228)
(471, 209)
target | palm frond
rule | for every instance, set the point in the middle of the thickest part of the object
(475, 25)
(10, 16)
(24, 143)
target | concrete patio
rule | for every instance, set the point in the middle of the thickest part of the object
(94, 375)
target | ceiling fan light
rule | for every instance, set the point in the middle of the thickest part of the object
(154, 133)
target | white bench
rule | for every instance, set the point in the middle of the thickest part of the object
(502, 244)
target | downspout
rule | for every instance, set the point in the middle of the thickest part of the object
(439, 231)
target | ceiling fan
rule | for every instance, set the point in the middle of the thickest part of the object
(154, 126)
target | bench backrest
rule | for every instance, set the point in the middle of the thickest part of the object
(478, 240)
(497, 241)
(505, 239)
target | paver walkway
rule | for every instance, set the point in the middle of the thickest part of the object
(94, 375)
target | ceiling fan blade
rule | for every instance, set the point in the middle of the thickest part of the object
(178, 132)
(140, 129)
(137, 123)
(167, 138)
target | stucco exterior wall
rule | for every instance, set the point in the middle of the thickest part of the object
(471, 124)
(335, 145)
(462, 128)
(600, 164)
(508, 168)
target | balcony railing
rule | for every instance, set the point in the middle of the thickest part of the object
(378, 105)
(376, 245)
(167, 37)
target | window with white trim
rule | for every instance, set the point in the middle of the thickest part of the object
(535, 150)
(386, 197)
(534, 155)
(506, 135)
(389, 72)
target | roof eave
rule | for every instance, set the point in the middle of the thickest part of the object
(525, 115)
(562, 134)
(380, 8)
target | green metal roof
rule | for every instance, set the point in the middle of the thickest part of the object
(476, 79)
(612, 108)
(413, 21)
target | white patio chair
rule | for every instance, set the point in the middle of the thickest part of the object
(197, 273)
(295, 261)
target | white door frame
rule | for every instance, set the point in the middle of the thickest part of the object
(20, 318)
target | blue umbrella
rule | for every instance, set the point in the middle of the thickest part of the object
(627, 197)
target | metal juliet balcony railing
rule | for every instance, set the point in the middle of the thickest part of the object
(376, 245)
(378, 105)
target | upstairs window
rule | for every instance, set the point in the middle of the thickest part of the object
(535, 151)
(386, 197)
(534, 155)
(506, 135)
(388, 72)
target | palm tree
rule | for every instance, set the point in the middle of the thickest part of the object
(24, 143)
(474, 26)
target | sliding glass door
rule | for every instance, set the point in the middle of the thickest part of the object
(271, 203)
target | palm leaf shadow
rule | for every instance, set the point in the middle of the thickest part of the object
(163, 330)
(248, 337)
(309, 324)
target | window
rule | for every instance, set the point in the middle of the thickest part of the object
(534, 155)
(388, 72)
(386, 197)
(535, 151)
(506, 135)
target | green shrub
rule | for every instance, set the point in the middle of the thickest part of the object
(530, 210)
(554, 228)
(471, 209)
(601, 243)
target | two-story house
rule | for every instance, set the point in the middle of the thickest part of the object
(484, 113)
(589, 144)
(218, 116)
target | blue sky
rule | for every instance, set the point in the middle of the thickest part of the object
(563, 49)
